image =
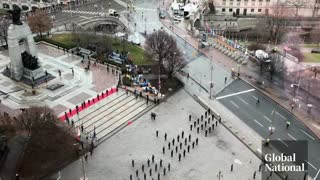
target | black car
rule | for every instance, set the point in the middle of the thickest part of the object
(315, 51)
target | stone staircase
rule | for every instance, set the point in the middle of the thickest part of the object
(111, 113)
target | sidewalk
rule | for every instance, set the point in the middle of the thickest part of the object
(274, 92)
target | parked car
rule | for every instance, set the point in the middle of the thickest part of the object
(315, 51)
(162, 14)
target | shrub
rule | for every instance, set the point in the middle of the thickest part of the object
(126, 81)
(124, 70)
(56, 43)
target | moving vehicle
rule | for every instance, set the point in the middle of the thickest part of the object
(113, 13)
(162, 14)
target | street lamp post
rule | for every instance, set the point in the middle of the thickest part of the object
(271, 128)
(211, 83)
(83, 170)
(145, 20)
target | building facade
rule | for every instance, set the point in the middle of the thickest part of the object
(304, 8)
(28, 5)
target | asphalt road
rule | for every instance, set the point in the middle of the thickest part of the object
(259, 117)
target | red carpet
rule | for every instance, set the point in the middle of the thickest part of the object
(102, 96)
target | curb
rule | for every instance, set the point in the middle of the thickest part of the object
(276, 101)
(205, 106)
(318, 138)
(112, 133)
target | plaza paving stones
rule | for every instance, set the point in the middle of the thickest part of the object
(70, 59)
(87, 84)
(5, 83)
(138, 142)
(79, 98)
(59, 108)
(49, 50)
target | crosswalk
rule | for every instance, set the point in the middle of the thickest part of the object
(145, 9)
(86, 12)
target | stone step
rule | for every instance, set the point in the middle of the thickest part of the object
(103, 120)
(108, 109)
(100, 105)
(118, 121)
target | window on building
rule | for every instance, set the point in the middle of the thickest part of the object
(259, 10)
(223, 10)
(230, 10)
(260, 0)
(252, 10)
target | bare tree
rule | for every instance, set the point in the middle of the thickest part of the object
(50, 141)
(315, 36)
(315, 8)
(164, 48)
(4, 25)
(159, 44)
(276, 66)
(174, 62)
(40, 22)
(273, 25)
(297, 4)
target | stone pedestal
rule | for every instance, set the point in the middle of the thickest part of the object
(18, 33)
(36, 74)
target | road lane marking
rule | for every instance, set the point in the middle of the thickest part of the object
(292, 137)
(234, 104)
(243, 100)
(254, 97)
(307, 134)
(258, 123)
(234, 94)
(317, 175)
(281, 115)
(283, 142)
(267, 118)
(312, 165)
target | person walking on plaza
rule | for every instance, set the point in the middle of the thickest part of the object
(288, 124)
(82, 128)
(258, 101)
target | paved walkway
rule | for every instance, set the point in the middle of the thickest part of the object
(311, 120)
(77, 87)
(138, 142)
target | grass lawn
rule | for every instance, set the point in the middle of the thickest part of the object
(137, 53)
(64, 39)
(3, 11)
(311, 57)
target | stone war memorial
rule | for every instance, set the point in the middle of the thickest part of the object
(22, 51)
